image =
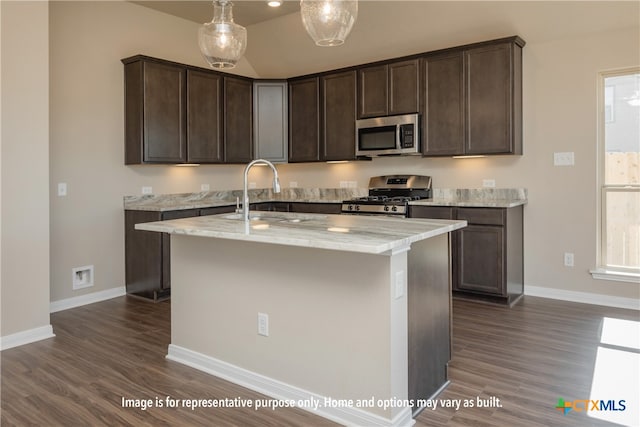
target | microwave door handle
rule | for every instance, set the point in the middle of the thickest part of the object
(398, 136)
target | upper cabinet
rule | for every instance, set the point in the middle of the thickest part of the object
(388, 89)
(339, 116)
(155, 113)
(204, 117)
(304, 120)
(473, 100)
(238, 122)
(469, 99)
(270, 114)
(175, 113)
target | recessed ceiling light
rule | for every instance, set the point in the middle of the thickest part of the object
(275, 3)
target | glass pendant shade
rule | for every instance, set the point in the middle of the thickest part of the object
(328, 22)
(222, 41)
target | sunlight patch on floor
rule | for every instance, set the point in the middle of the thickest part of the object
(616, 374)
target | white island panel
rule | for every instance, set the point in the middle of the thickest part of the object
(337, 328)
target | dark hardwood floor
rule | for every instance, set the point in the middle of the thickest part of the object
(527, 356)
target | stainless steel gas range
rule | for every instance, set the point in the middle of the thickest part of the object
(390, 195)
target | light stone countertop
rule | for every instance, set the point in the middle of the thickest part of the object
(476, 197)
(352, 233)
(207, 199)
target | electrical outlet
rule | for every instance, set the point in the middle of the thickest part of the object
(252, 185)
(344, 184)
(293, 184)
(204, 187)
(147, 190)
(62, 189)
(489, 183)
(568, 259)
(563, 159)
(263, 324)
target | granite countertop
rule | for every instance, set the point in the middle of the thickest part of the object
(476, 198)
(352, 233)
(207, 199)
(480, 197)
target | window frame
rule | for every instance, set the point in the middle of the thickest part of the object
(603, 271)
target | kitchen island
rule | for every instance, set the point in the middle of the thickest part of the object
(347, 315)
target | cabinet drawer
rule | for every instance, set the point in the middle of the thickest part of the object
(184, 213)
(434, 212)
(217, 210)
(482, 216)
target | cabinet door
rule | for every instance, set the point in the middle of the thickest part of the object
(404, 78)
(339, 116)
(443, 118)
(373, 93)
(319, 208)
(204, 117)
(481, 265)
(270, 120)
(238, 122)
(304, 120)
(143, 254)
(489, 99)
(164, 109)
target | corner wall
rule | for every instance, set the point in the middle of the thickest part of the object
(25, 172)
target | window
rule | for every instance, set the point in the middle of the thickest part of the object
(619, 157)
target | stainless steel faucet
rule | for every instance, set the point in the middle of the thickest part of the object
(245, 194)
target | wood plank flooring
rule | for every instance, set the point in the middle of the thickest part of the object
(527, 356)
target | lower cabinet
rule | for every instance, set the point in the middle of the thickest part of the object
(148, 254)
(487, 255)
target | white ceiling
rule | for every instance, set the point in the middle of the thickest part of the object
(279, 47)
(245, 12)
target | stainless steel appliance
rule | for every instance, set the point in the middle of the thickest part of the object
(390, 195)
(388, 136)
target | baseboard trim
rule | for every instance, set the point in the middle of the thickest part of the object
(582, 297)
(26, 337)
(65, 304)
(279, 390)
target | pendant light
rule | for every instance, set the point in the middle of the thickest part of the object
(329, 22)
(222, 41)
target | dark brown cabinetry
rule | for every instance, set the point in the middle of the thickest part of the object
(148, 254)
(473, 100)
(175, 113)
(204, 117)
(338, 116)
(487, 255)
(304, 120)
(388, 89)
(155, 108)
(443, 115)
(238, 121)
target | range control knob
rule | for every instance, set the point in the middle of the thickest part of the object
(386, 208)
(395, 208)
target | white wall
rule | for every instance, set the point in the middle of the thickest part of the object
(25, 167)
(88, 39)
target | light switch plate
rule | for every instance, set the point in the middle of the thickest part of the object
(62, 189)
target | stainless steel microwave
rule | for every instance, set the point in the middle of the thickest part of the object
(388, 136)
